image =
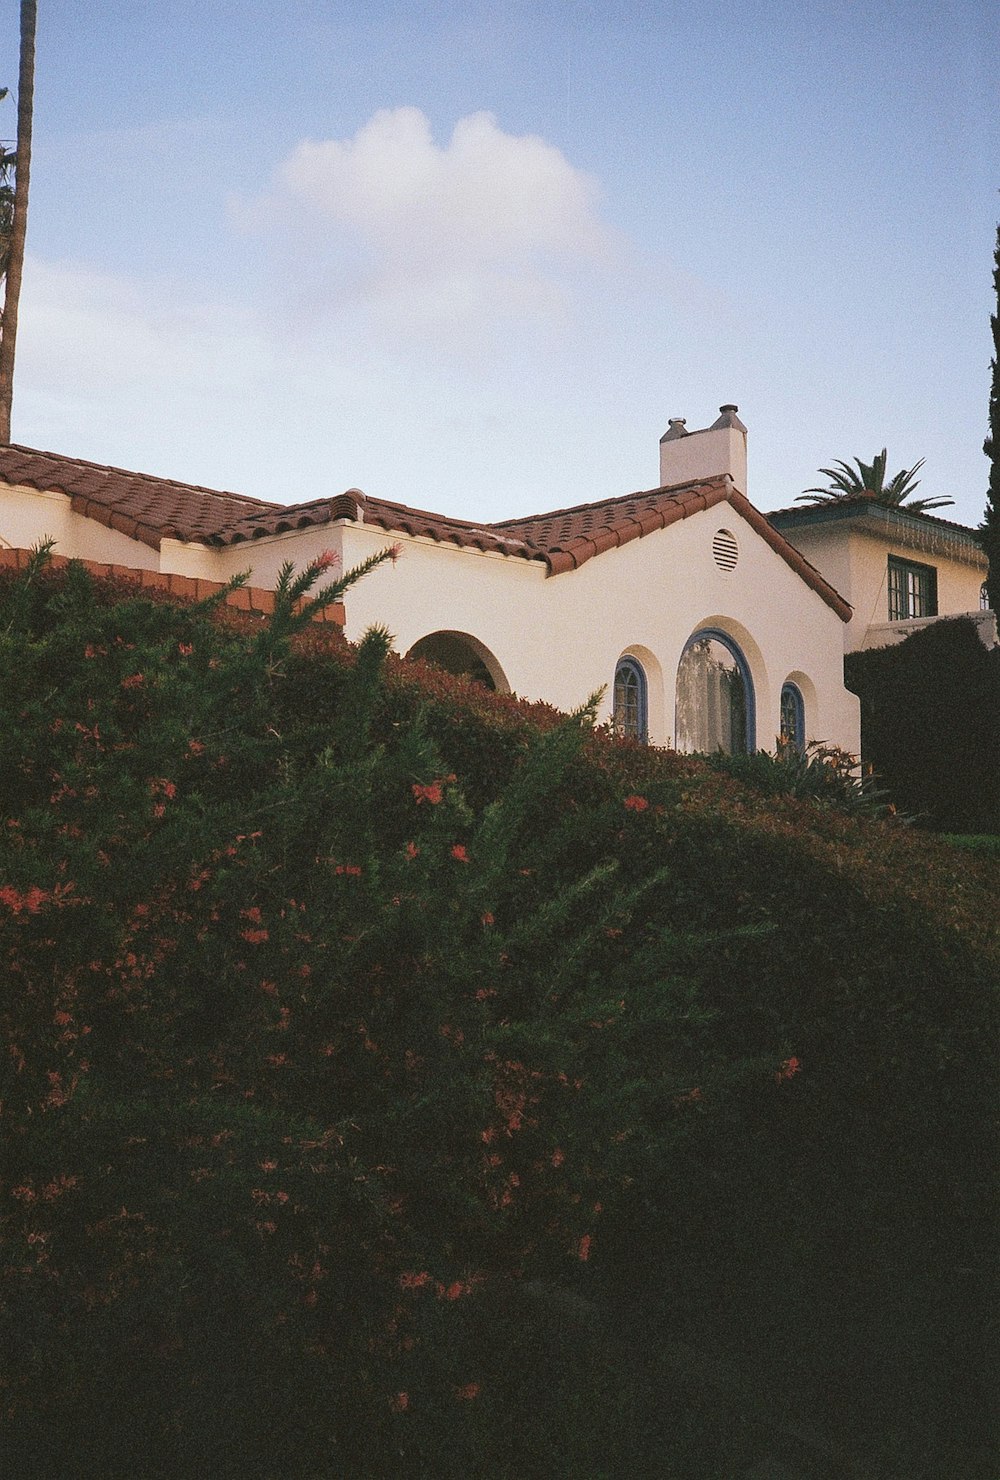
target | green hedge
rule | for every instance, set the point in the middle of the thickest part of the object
(930, 721)
(374, 1046)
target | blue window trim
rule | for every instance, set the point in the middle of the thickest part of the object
(793, 691)
(635, 668)
(744, 672)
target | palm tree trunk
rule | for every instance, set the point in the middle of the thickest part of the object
(15, 258)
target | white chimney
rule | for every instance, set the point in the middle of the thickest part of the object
(709, 453)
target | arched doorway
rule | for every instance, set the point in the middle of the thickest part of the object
(457, 652)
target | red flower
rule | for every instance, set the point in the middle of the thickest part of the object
(788, 1070)
(326, 560)
(432, 793)
(468, 1392)
(583, 1249)
(636, 803)
(412, 850)
(399, 1402)
(458, 851)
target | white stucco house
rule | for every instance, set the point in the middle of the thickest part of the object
(705, 622)
(703, 625)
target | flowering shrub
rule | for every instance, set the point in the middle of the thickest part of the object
(342, 1022)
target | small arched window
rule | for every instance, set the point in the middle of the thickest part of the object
(630, 702)
(715, 698)
(793, 716)
(984, 597)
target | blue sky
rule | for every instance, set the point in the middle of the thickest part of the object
(473, 257)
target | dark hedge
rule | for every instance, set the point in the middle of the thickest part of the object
(930, 722)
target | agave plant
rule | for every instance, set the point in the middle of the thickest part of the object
(868, 481)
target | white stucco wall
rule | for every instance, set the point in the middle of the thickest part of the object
(559, 638)
(28, 516)
(263, 558)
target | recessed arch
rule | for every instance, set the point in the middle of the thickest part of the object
(715, 699)
(463, 654)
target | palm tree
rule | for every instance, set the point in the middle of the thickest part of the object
(19, 215)
(868, 481)
(6, 198)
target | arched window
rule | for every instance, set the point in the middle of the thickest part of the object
(715, 701)
(984, 597)
(630, 703)
(793, 716)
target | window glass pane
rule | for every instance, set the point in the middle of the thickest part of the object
(912, 590)
(630, 700)
(793, 726)
(711, 699)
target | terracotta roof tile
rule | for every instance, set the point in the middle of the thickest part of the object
(151, 509)
(140, 505)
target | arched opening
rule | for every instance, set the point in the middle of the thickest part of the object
(630, 712)
(715, 698)
(793, 716)
(457, 652)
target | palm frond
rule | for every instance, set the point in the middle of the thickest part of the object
(867, 480)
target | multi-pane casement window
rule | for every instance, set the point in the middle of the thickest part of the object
(912, 590)
(793, 716)
(630, 699)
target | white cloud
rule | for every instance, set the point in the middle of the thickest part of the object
(418, 240)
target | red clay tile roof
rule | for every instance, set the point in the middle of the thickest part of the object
(150, 509)
(145, 508)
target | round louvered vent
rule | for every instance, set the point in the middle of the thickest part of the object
(725, 550)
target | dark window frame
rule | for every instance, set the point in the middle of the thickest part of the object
(630, 700)
(912, 589)
(793, 707)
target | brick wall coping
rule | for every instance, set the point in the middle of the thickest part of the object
(189, 588)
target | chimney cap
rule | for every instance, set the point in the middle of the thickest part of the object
(728, 418)
(677, 428)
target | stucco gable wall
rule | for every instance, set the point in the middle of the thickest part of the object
(28, 516)
(559, 638)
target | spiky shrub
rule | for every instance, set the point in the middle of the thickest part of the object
(818, 772)
(293, 1049)
(351, 1033)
